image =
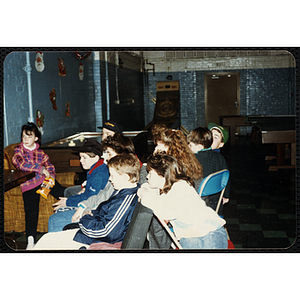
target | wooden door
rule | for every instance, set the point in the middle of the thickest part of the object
(222, 96)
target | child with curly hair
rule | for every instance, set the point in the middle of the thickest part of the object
(173, 142)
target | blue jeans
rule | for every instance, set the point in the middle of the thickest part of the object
(213, 240)
(59, 220)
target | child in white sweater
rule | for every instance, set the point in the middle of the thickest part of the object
(172, 197)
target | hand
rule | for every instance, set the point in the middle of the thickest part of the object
(144, 188)
(141, 191)
(225, 200)
(88, 213)
(61, 203)
(77, 215)
(81, 191)
(46, 173)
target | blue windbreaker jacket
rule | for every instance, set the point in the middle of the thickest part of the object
(96, 180)
(110, 219)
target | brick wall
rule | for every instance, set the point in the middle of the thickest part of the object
(80, 94)
(267, 84)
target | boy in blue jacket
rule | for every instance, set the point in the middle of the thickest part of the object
(97, 178)
(109, 221)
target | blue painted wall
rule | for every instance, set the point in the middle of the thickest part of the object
(80, 94)
(262, 91)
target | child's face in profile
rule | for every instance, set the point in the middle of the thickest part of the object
(155, 181)
(217, 139)
(106, 132)
(117, 180)
(29, 139)
(87, 161)
(108, 154)
(195, 148)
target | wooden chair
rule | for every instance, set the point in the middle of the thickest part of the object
(14, 215)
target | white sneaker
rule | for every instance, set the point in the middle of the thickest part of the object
(30, 243)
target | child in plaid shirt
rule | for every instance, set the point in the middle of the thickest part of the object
(29, 157)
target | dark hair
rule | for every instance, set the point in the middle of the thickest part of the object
(119, 143)
(91, 147)
(126, 163)
(200, 135)
(167, 166)
(29, 128)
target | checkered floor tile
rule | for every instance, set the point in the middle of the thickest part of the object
(261, 212)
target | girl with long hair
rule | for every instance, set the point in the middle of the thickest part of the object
(174, 143)
(171, 196)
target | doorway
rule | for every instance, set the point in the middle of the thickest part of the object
(222, 96)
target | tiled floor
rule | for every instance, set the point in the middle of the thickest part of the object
(261, 213)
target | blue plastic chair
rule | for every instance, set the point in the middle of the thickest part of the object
(213, 184)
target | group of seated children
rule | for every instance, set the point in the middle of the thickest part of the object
(100, 212)
(109, 221)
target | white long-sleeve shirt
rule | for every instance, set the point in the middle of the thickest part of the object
(187, 212)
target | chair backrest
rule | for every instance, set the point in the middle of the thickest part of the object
(138, 227)
(213, 184)
(8, 155)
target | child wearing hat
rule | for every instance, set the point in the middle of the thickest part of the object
(97, 178)
(110, 128)
(200, 141)
(220, 136)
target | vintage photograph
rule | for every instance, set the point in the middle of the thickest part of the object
(149, 149)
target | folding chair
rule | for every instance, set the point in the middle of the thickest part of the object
(175, 244)
(136, 233)
(213, 184)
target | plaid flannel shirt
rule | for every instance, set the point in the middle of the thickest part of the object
(32, 160)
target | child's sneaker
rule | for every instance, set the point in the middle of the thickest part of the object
(30, 243)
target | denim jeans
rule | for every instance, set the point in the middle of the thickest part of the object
(213, 240)
(59, 220)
